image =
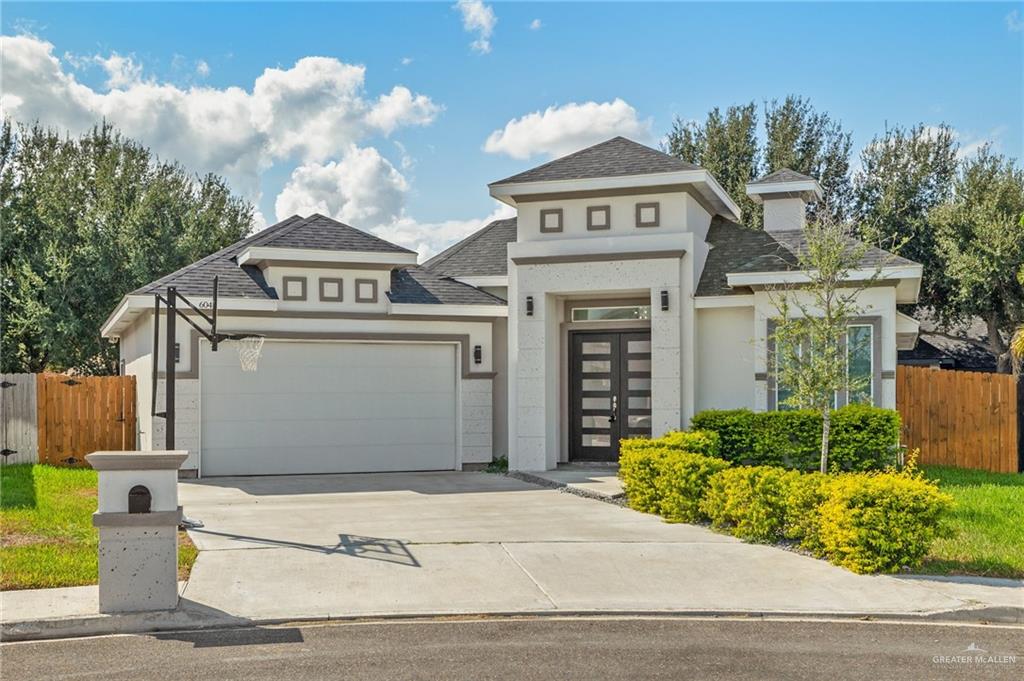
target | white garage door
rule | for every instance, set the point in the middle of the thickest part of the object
(328, 408)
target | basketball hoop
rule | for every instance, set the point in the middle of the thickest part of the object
(249, 349)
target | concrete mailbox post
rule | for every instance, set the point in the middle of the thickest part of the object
(138, 522)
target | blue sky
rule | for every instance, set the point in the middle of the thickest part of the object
(866, 64)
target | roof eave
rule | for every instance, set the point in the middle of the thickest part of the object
(255, 255)
(907, 278)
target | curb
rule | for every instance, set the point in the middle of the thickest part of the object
(183, 620)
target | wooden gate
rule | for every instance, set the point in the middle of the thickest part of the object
(18, 418)
(82, 414)
(960, 418)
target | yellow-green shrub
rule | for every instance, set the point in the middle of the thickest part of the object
(681, 483)
(807, 493)
(638, 470)
(696, 441)
(750, 501)
(879, 522)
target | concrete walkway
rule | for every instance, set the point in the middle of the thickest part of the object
(314, 547)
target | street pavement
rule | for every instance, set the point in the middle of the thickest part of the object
(537, 648)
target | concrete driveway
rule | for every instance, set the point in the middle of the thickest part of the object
(379, 544)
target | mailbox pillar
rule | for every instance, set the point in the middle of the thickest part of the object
(138, 518)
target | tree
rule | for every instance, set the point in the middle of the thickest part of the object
(86, 221)
(979, 240)
(727, 147)
(810, 142)
(905, 173)
(796, 137)
(810, 336)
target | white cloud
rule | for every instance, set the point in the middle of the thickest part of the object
(363, 189)
(406, 61)
(430, 238)
(560, 130)
(202, 68)
(313, 111)
(480, 19)
(969, 143)
(536, 25)
(1013, 22)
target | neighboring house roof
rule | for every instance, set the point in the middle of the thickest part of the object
(482, 254)
(935, 349)
(782, 175)
(612, 158)
(317, 232)
(736, 248)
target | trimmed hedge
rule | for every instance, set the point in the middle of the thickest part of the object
(862, 437)
(864, 521)
(694, 441)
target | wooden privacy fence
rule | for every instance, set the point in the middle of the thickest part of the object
(58, 419)
(961, 418)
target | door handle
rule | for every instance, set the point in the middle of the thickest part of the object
(615, 409)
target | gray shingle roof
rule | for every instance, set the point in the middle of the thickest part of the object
(782, 175)
(321, 232)
(615, 157)
(420, 286)
(735, 248)
(481, 254)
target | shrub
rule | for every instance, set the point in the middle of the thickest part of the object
(862, 437)
(681, 483)
(807, 492)
(638, 470)
(750, 501)
(735, 430)
(879, 522)
(697, 442)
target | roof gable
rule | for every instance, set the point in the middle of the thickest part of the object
(613, 158)
(482, 254)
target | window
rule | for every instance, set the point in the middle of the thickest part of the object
(784, 358)
(294, 288)
(648, 214)
(599, 217)
(860, 363)
(366, 290)
(611, 313)
(331, 290)
(551, 220)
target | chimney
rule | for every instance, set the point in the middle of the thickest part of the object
(785, 195)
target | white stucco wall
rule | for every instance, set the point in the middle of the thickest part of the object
(784, 214)
(725, 358)
(275, 275)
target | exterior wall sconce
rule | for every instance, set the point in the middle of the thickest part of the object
(529, 306)
(664, 301)
(478, 354)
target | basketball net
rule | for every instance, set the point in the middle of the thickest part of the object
(249, 349)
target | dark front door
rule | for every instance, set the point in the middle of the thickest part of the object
(609, 391)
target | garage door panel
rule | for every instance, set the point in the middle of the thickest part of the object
(329, 408)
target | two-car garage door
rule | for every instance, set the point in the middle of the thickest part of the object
(329, 407)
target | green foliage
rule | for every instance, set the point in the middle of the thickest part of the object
(880, 522)
(806, 494)
(499, 465)
(796, 137)
(86, 221)
(979, 238)
(862, 438)
(696, 441)
(749, 501)
(639, 467)
(681, 481)
(905, 173)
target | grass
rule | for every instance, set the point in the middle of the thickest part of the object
(987, 523)
(46, 533)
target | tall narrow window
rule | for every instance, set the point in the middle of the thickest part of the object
(784, 358)
(859, 363)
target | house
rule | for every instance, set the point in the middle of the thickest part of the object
(623, 298)
(940, 350)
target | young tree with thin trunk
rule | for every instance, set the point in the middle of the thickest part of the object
(810, 337)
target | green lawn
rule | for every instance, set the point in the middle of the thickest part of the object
(988, 524)
(46, 533)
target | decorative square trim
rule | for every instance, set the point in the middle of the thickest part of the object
(544, 213)
(593, 211)
(331, 299)
(292, 280)
(360, 298)
(641, 207)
